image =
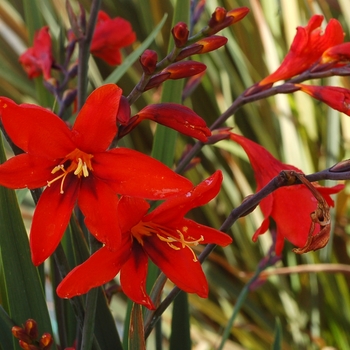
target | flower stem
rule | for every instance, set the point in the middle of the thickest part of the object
(84, 53)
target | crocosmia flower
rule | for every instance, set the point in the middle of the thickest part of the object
(38, 59)
(164, 235)
(307, 48)
(334, 96)
(289, 207)
(110, 36)
(75, 165)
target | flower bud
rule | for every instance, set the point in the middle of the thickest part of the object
(221, 19)
(180, 34)
(20, 333)
(184, 69)
(148, 61)
(124, 112)
(204, 45)
(45, 341)
(31, 328)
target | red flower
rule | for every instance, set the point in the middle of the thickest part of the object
(110, 36)
(164, 235)
(38, 59)
(339, 55)
(307, 48)
(75, 165)
(290, 207)
(173, 115)
(336, 97)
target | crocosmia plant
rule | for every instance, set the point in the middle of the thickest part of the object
(173, 175)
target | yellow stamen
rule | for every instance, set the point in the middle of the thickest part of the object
(80, 164)
(184, 243)
(167, 235)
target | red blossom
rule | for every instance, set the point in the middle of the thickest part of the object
(173, 115)
(336, 97)
(110, 36)
(163, 235)
(76, 166)
(38, 59)
(307, 48)
(290, 207)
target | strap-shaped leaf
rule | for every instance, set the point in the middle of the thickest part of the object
(24, 292)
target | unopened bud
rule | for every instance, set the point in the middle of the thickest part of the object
(221, 19)
(148, 61)
(204, 45)
(31, 328)
(45, 341)
(180, 33)
(185, 69)
(20, 333)
(124, 112)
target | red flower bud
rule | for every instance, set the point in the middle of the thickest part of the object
(31, 328)
(221, 19)
(337, 54)
(175, 71)
(177, 117)
(336, 97)
(184, 69)
(123, 115)
(204, 45)
(20, 333)
(180, 34)
(27, 346)
(148, 61)
(46, 341)
(218, 16)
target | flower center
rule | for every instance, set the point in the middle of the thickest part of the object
(77, 162)
(175, 239)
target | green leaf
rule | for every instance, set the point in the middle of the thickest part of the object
(6, 338)
(24, 292)
(180, 337)
(277, 343)
(134, 56)
(136, 334)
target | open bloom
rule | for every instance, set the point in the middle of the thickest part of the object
(336, 97)
(110, 36)
(38, 59)
(289, 207)
(164, 235)
(75, 165)
(307, 48)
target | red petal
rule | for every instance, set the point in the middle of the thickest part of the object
(175, 208)
(177, 265)
(133, 277)
(177, 117)
(100, 268)
(307, 48)
(51, 218)
(99, 205)
(36, 130)
(130, 212)
(26, 170)
(132, 173)
(96, 124)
